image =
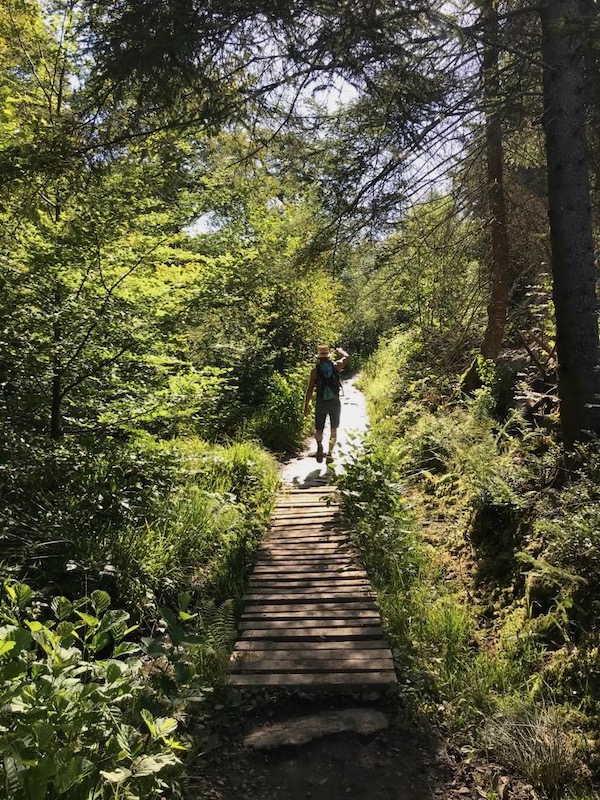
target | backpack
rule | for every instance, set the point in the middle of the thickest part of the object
(328, 381)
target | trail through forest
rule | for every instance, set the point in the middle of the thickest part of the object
(356, 745)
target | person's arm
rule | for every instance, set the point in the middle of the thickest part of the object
(341, 362)
(309, 391)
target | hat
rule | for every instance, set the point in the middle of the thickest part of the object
(323, 351)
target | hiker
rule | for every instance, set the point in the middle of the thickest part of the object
(325, 378)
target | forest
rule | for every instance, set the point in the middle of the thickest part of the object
(193, 196)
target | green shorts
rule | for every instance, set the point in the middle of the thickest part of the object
(327, 408)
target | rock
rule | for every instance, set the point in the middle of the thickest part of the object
(306, 729)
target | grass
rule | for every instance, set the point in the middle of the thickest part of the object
(478, 643)
(143, 521)
(534, 740)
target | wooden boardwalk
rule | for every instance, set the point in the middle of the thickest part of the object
(310, 617)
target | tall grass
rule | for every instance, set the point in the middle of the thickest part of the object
(468, 642)
(142, 522)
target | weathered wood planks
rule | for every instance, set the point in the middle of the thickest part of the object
(310, 616)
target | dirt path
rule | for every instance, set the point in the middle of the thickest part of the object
(397, 763)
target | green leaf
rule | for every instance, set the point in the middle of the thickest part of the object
(44, 734)
(36, 779)
(114, 671)
(100, 601)
(149, 720)
(6, 647)
(183, 615)
(165, 725)
(12, 771)
(88, 619)
(152, 647)
(13, 669)
(72, 771)
(19, 593)
(150, 765)
(66, 629)
(126, 649)
(118, 775)
(99, 641)
(62, 608)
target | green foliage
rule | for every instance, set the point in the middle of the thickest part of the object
(427, 275)
(534, 740)
(77, 716)
(432, 630)
(279, 423)
(140, 520)
(568, 522)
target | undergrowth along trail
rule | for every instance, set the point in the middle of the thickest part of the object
(477, 557)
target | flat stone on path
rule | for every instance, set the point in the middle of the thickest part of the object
(306, 729)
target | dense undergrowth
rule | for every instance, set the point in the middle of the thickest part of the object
(123, 567)
(484, 550)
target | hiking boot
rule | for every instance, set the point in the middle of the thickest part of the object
(319, 453)
(329, 459)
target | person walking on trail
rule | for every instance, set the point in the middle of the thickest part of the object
(325, 378)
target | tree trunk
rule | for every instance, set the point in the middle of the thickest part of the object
(57, 373)
(574, 279)
(500, 267)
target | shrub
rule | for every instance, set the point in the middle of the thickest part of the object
(279, 423)
(77, 717)
(141, 521)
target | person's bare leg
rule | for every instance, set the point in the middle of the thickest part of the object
(319, 440)
(332, 441)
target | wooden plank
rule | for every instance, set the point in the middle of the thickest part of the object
(361, 616)
(325, 516)
(311, 595)
(316, 598)
(350, 645)
(319, 583)
(384, 678)
(307, 502)
(294, 565)
(323, 634)
(306, 666)
(307, 542)
(307, 536)
(300, 608)
(289, 578)
(343, 565)
(262, 588)
(325, 524)
(308, 623)
(285, 573)
(316, 560)
(304, 489)
(287, 653)
(298, 517)
(345, 553)
(305, 533)
(295, 548)
(323, 549)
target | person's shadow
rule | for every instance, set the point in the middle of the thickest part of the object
(314, 478)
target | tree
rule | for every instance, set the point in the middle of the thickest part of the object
(573, 259)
